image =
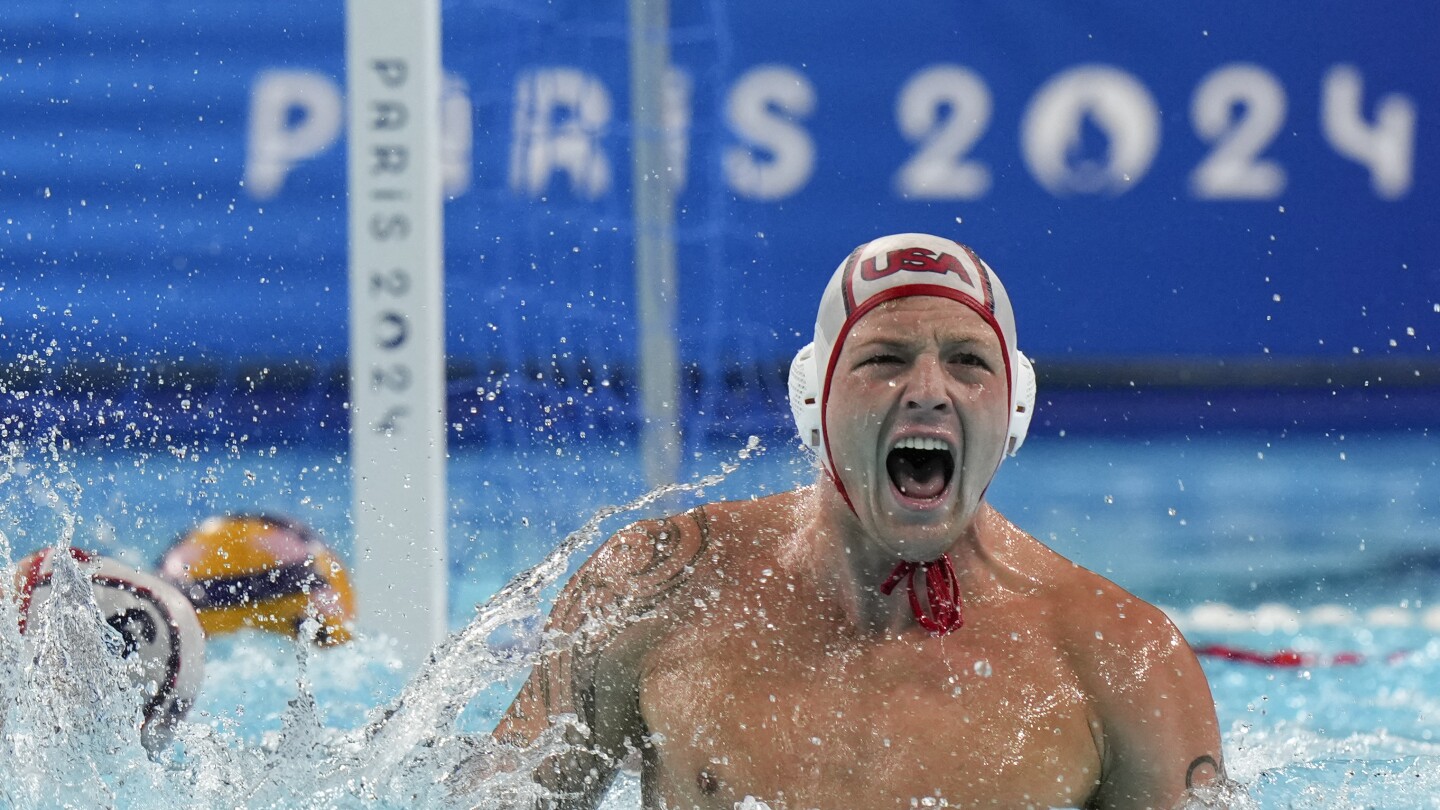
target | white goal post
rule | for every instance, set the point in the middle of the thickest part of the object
(397, 332)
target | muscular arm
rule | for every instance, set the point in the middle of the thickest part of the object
(1159, 734)
(581, 701)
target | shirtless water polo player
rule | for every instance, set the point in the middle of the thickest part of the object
(883, 638)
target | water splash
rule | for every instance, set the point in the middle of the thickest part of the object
(415, 724)
(407, 752)
(71, 720)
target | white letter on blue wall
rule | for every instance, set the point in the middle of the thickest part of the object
(560, 115)
(777, 156)
(456, 136)
(294, 115)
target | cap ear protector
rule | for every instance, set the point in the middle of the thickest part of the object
(1024, 403)
(805, 396)
(805, 399)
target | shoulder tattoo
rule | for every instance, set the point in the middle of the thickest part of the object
(615, 596)
(675, 549)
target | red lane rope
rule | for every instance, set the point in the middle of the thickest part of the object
(1284, 658)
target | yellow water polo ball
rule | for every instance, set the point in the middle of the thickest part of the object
(262, 571)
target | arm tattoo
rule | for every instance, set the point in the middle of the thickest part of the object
(670, 557)
(673, 553)
(610, 599)
(626, 584)
(1201, 762)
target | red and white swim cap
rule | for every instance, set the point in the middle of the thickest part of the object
(885, 269)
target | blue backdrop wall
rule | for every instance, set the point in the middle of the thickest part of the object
(1224, 180)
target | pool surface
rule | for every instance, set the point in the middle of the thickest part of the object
(1324, 546)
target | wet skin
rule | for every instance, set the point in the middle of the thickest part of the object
(743, 649)
(919, 366)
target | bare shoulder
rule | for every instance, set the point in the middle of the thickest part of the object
(610, 612)
(1093, 618)
(645, 564)
(1154, 714)
(1104, 620)
(1122, 646)
(650, 567)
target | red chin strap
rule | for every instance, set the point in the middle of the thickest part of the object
(942, 591)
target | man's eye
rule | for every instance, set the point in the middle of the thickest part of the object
(967, 359)
(880, 360)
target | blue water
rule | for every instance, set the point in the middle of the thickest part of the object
(1326, 544)
(1241, 519)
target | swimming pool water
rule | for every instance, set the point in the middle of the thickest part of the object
(1321, 544)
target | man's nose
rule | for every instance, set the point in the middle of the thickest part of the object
(926, 390)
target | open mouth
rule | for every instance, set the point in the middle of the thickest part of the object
(920, 468)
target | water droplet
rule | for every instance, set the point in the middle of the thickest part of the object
(983, 668)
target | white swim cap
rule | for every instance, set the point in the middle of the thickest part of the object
(155, 623)
(894, 267)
